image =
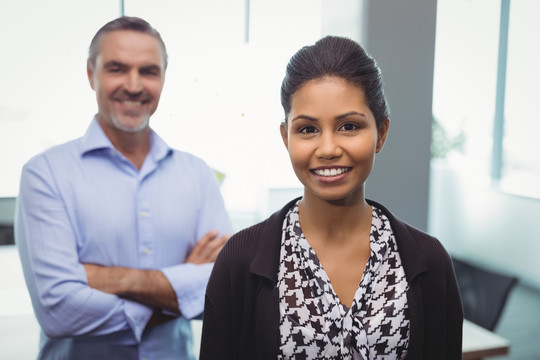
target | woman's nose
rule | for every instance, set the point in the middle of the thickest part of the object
(328, 146)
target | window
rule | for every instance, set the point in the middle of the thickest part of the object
(521, 147)
(45, 98)
(464, 77)
(484, 90)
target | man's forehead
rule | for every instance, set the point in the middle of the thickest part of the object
(129, 46)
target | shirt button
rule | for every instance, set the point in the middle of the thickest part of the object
(146, 251)
(143, 214)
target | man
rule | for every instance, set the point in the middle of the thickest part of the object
(108, 225)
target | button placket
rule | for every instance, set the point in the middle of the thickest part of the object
(146, 236)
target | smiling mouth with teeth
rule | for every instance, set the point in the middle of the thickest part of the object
(132, 103)
(331, 172)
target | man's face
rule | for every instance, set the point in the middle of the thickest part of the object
(127, 77)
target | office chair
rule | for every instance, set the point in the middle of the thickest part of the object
(6, 234)
(483, 292)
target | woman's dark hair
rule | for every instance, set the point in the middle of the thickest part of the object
(339, 57)
(124, 23)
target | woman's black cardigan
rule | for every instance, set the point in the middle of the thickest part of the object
(241, 313)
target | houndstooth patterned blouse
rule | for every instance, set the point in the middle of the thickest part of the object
(313, 322)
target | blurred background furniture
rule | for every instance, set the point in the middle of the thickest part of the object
(7, 213)
(484, 292)
(6, 234)
(480, 343)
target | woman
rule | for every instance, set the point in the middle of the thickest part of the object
(332, 275)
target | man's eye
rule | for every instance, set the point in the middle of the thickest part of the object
(115, 69)
(308, 130)
(150, 72)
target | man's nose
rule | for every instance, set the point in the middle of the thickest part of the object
(133, 83)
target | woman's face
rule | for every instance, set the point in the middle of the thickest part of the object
(331, 136)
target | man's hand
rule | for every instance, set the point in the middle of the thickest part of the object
(150, 287)
(207, 248)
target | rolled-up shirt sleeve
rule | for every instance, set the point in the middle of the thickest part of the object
(63, 302)
(189, 283)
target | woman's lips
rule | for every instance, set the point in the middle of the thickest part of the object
(330, 175)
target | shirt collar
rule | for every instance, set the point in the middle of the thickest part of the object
(158, 147)
(95, 139)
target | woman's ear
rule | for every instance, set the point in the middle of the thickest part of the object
(381, 135)
(283, 130)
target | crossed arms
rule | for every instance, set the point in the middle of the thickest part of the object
(151, 287)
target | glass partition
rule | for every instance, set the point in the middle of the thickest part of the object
(45, 98)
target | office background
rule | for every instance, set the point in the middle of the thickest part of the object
(473, 184)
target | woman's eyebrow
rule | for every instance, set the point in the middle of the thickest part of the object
(351, 113)
(339, 117)
(303, 117)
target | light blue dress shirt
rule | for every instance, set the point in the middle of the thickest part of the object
(84, 202)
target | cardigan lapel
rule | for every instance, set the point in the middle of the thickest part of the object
(414, 261)
(415, 264)
(266, 260)
(265, 264)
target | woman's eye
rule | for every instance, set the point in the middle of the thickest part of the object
(349, 127)
(308, 130)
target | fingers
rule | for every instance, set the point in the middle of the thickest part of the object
(219, 243)
(209, 236)
(207, 248)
